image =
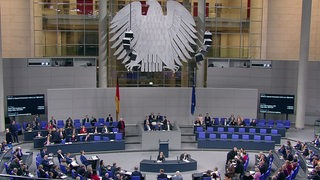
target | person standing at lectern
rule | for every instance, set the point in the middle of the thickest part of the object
(161, 157)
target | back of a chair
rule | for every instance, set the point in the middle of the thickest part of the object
(230, 129)
(267, 138)
(210, 129)
(223, 136)
(97, 138)
(135, 177)
(63, 169)
(212, 136)
(235, 136)
(118, 136)
(202, 135)
(245, 137)
(257, 138)
(262, 177)
(206, 178)
(252, 130)
(199, 129)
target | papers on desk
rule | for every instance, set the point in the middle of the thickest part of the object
(159, 161)
(74, 164)
(186, 160)
(128, 173)
(252, 172)
(310, 170)
(169, 176)
(94, 157)
(63, 177)
(309, 165)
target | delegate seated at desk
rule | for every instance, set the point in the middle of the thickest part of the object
(161, 157)
(105, 130)
(185, 157)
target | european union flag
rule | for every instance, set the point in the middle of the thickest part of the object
(193, 99)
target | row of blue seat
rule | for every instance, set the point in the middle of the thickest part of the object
(76, 123)
(202, 135)
(232, 129)
(259, 122)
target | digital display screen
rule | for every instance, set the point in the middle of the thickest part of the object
(277, 103)
(24, 105)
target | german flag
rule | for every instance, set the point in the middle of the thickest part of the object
(117, 100)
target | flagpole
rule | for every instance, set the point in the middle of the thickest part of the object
(193, 97)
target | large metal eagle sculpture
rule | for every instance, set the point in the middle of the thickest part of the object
(160, 41)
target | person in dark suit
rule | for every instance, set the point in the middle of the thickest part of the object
(162, 175)
(60, 155)
(147, 124)
(136, 172)
(14, 131)
(109, 119)
(86, 119)
(44, 152)
(46, 163)
(207, 120)
(161, 157)
(231, 154)
(83, 158)
(289, 156)
(68, 158)
(18, 153)
(159, 118)
(9, 137)
(55, 136)
(185, 157)
(41, 172)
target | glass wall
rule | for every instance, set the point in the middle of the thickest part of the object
(70, 28)
(66, 27)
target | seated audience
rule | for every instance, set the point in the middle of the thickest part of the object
(162, 175)
(147, 124)
(42, 173)
(105, 129)
(253, 122)
(93, 120)
(83, 130)
(215, 174)
(207, 120)
(298, 146)
(177, 176)
(185, 157)
(136, 172)
(109, 120)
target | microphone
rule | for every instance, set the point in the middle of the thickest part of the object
(150, 157)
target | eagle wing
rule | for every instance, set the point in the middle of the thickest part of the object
(181, 30)
(128, 18)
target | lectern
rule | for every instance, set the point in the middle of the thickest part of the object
(164, 147)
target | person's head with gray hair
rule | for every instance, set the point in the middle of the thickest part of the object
(178, 173)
